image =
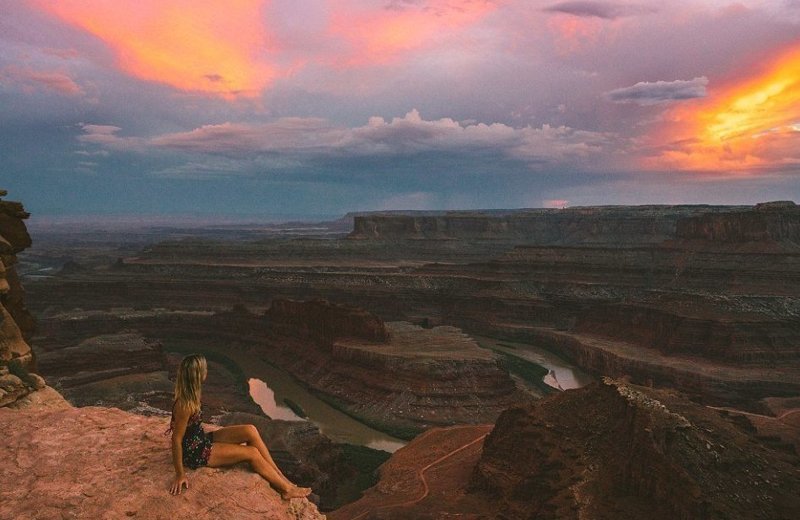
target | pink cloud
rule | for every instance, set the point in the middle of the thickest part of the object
(50, 80)
(375, 36)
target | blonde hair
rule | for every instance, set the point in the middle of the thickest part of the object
(188, 382)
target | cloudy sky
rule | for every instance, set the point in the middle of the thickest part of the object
(318, 107)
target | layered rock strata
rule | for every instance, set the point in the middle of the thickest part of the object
(603, 224)
(395, 376)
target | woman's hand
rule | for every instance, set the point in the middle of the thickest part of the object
(178, 483)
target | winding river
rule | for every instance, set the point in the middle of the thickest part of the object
(270, 387)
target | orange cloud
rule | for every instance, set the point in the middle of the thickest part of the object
(378, 36)
(193, 45)
(752, 122)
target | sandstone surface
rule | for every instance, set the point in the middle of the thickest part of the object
(95, 462)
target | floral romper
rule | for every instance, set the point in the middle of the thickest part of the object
(196, 443)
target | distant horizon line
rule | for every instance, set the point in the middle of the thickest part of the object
(38, 220)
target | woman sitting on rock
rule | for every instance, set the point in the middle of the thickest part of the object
(193, 447)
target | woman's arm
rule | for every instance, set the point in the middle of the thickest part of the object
(181, 415)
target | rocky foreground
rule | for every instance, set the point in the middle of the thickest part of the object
(611, 450)
(93, 462)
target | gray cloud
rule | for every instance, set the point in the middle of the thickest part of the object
(604, 10)
(298, 139)
(657, 92)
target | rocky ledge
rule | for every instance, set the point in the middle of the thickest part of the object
(93, 462)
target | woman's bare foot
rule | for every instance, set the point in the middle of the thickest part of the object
(296, 492)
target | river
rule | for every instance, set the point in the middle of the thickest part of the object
(563, 375)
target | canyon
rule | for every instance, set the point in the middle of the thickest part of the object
(417, 325)
(701, 298)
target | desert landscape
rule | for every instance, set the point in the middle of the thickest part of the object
(400, 259)
(642, 358)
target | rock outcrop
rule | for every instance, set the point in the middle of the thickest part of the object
(615, 449)
(608, 450)
(397, 377)
(93, 462)
(16, 356)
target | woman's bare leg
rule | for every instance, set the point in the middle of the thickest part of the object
(225, 454)
(249, 434)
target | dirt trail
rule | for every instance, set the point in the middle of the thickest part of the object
(778, 418)
(421, 476)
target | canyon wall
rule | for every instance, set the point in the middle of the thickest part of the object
(619, 224)
(325, 322)
(772, 221)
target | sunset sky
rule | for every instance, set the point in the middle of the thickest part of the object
(319, 107)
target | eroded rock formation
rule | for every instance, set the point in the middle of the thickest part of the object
(615, 449)
(396, 376)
